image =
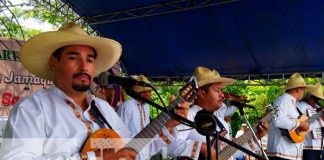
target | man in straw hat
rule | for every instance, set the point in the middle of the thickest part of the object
(135, 114)
(54, 123)
(210, 98)
(285, 118)
(309, 106)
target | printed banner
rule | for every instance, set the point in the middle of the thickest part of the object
(15, 81)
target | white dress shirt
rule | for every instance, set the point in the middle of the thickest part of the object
(284, 118)
(310, 142)
(133, 114)
(43, 126)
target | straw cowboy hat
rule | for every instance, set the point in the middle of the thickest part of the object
(296, 81)
(36, 51)
(142, 78)
(317, 91)
(206, 76)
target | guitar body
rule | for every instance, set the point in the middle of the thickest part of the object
(297, 136)
(102, 138)
(109, 139)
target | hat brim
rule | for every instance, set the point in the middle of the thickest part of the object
(224, 81)
(36, 52)
(314, 87)
(320, 97)
(304, 86)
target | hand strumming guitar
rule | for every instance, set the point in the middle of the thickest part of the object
(303, 126)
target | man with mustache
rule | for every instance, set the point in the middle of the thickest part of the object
(54, 123)
(210, 98)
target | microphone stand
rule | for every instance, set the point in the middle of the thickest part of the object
(229, 142)
(191, 124)
(240, 147)
(209, 156)
(253, 133)
(172, 114)
(206, 124)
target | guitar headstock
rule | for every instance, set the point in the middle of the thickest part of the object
(189, 91)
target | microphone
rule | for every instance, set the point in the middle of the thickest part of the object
(236, 98)
(205, 123)
(126, 82)
(230, 102)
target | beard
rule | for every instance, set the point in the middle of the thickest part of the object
(81, 87)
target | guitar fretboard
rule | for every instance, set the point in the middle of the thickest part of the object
(314, 117)
(228, 151)
(317, 132)
(152, 129)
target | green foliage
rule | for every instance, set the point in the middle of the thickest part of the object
(260, 96)
(42, 11)
(11, 29)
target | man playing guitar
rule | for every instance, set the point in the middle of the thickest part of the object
(313, 141)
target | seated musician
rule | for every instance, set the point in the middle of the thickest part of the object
(210, 98)
(280, 144)
(54, 123)
(309, 106)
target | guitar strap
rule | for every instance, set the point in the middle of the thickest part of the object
(219, 124)
(300, 113)
(99, 118)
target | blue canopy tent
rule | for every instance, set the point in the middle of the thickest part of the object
(248, 37)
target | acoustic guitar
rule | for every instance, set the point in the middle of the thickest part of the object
(107, 138)
(228, 151)
(299, 136)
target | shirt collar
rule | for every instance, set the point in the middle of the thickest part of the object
(138, 103)
(58, 92)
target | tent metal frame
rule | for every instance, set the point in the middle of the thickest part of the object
(7, 14)
(155, 9)
(273, 79)
(65, 9)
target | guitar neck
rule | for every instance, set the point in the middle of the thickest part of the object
(314, 117)
(152, 129)
(228, 151)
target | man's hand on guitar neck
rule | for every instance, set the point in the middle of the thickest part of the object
(110, 154)
(303, 126)
(262, 129)
(181, 110)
